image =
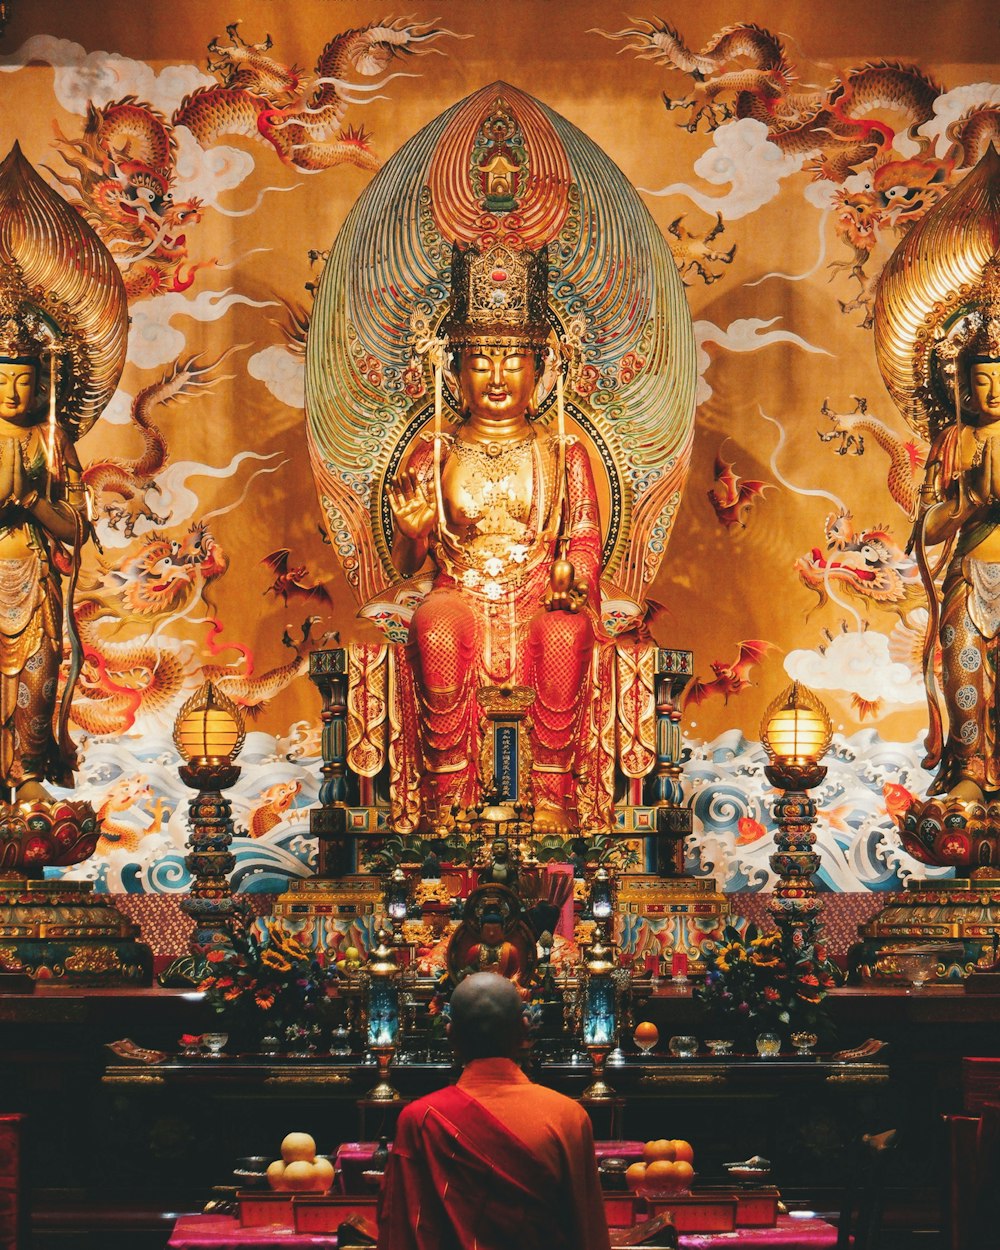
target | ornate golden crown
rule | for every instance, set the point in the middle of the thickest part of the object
(498, 297)
(984, 320)
(24, 336)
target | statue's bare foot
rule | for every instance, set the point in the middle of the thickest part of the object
(551, 819)
(32, 792)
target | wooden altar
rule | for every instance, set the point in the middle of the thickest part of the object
(113, 1147)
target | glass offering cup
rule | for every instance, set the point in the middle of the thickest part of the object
(719, 1046)
(768, 1045)
(683, 1046)
(214, 1043)
(804, 1042)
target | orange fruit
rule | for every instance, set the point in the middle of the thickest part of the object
(276, 1174)
(646, 1034)
(683, 1171)
(322, 1174)
(634, 1175)
(658, 1151)
(660, 1172)
(683, 1150)
(298, 1146)
(299, 1175)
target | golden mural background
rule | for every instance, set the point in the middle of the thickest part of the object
(780, 203)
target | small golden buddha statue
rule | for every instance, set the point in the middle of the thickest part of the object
(506, 513)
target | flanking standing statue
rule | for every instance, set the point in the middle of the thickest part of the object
(63, 333)
(937, 337)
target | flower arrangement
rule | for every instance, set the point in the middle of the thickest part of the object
(774, 981)
(262, 985)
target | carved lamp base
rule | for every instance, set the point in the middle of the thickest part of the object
(55, 930)
(962, 917)
(954, 833)
(64, 932)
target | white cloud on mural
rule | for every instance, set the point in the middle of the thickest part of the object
(283, 374)
(153, 341)
(745, 334)
(743, 158)
(207, 172)
(119, 410)
(857, 664)
(100, 77)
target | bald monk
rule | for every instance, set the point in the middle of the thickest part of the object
(494, 1162)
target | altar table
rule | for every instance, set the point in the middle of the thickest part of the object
(222, 1232)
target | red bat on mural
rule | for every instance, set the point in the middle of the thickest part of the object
(730, 497)
(729, 679)
(291, 583)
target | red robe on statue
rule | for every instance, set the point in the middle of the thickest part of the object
(459, 1177)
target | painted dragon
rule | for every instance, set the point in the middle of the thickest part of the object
(131, 480)
(122, 168)
(301, 117)
(906, 456)
(868, 566)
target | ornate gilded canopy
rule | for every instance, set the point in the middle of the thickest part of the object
(56, 268)
(930, 297)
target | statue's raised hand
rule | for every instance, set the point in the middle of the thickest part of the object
(413, 511)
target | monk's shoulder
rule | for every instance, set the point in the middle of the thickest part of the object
(555, 1106)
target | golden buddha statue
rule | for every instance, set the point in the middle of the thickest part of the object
(937, 338)
(43, 524)
(63, 332)
(960, 507)
(499, 524)
(507, 516)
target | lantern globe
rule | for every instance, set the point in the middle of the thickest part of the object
(209, 726)
(796, 727)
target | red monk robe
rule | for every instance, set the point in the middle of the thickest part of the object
(493, 1163)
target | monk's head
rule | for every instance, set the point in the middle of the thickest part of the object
(487, 1018)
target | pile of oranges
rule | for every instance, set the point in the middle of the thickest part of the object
(667, 1166)
(300, 1168)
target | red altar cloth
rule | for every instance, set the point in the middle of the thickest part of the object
(791, 1233)
(222, 1232)
(219, 1232)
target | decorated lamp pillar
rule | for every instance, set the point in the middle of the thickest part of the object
(795, 733)
(599, 1014)
(381, 983)
(337, 855)
(209, 734)
(664, 789)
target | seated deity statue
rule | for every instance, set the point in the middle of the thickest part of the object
(493, 936)
(43, 524)
(506, 515)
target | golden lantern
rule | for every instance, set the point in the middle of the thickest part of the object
(796, 728)
(209, 726)
(795, 733)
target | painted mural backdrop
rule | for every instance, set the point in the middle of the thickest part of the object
(217, 158)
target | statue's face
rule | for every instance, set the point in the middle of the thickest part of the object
(17, 389)
(984, 379)
(497, 382)
(492, 933)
